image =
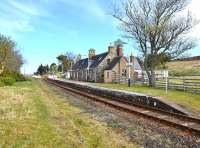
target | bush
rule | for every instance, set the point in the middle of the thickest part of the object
(28, 79)
(16, 75)
(1, 83)
(9, 77)
(7, 80)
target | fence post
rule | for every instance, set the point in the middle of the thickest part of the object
(143, 78)
(167, 83)
(184, 84)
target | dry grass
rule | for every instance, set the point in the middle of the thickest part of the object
(184, 67)
(33, 116)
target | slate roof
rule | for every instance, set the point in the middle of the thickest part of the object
(98, 59)
(82, 64)
(137, 64)
(113, 63)
(95, 61)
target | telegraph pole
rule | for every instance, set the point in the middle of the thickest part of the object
(129, 72)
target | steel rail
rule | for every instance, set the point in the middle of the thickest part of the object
(134, 109)
(180, 116)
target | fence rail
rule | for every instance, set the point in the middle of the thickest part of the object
(190, 84)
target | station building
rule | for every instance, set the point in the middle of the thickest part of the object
(106, 67)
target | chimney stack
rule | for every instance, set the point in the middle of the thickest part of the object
(91, 53)
(132, 59)
(111, 50)
(119, 51)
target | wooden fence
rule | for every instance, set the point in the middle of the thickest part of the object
(189, 83)
(178, 83)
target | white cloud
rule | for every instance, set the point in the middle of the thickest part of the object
(90, 6)
(16, 16)
(24, 8)
(94, 8)
(194, 8)
(22, 25)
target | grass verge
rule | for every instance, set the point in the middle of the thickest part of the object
(33, 116)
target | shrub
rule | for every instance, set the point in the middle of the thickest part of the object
(28, 79)
(16, 75)
(9, 77)
(1, 83)
(7, 80)
(5, 73)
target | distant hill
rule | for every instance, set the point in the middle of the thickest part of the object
(185, 66)
(189, 59)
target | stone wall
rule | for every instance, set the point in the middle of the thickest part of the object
(108, 76)
(126, 97)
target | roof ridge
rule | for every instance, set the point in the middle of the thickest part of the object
(101, 53)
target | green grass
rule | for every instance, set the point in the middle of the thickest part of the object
(189, 101)
(31, 115)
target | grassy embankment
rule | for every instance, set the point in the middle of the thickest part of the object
(187, 100)
(184, 68)
(33, 116)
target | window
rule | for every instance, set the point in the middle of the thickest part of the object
(124, 73)
(108, 61)
(108, 74)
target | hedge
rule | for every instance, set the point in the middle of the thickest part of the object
(8, 81)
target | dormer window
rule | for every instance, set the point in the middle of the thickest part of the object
(108, 61)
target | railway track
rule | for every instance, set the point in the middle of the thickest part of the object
(185, 123)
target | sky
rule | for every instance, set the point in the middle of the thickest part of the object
(43, 29)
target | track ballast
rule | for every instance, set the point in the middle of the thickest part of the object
(185, 123)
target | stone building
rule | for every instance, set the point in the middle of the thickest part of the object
(106, 67)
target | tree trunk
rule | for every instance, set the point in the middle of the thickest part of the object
(152, 78)
(150, 73)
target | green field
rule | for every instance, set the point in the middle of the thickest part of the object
(184, 68)
(189, 101)
(31, 115)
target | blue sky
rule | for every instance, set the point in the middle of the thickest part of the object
(44, 29)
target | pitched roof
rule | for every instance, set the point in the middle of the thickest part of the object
(113, 63)
(81, 64)
(98, 59)
(95, 61)
(137, 64)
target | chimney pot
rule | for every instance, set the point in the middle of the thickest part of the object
(132, 58)
(91, 53)
(111, 50)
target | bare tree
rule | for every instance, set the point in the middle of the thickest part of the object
(14, 61)
(159, 27)
(6, 46)
(78, 57)
(10, 58)
(66, 60)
